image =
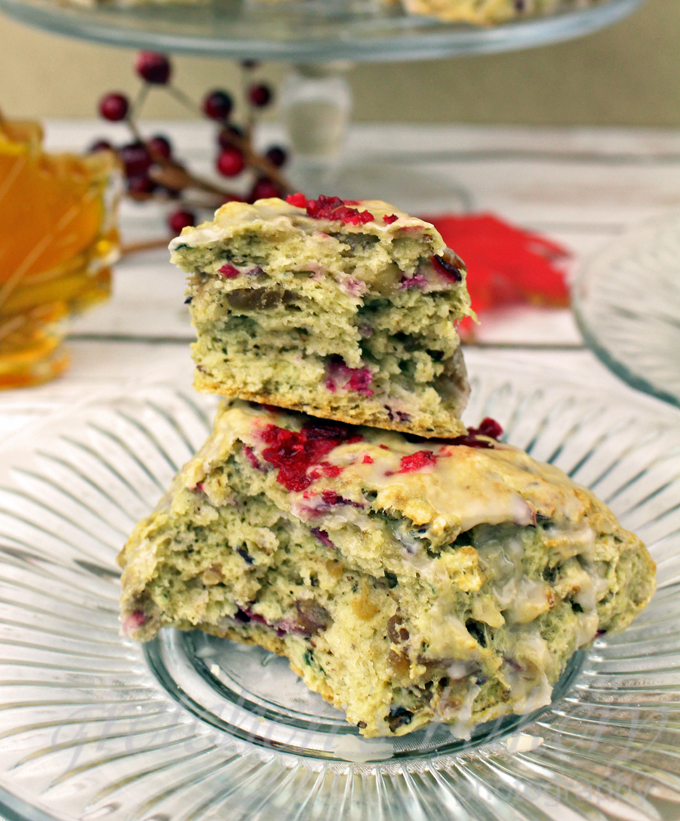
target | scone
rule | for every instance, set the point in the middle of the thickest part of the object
(488, 12)
(406, 580)
(343, 310)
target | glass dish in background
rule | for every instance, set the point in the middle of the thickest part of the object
(627, 305)
(58, 238)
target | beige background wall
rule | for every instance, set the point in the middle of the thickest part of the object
(628, 75)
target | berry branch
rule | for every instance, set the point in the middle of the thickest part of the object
(152, 170)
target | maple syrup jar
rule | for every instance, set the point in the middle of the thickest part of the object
(58, 241)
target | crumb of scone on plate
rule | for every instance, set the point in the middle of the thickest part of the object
(406, 580)
(345, 310)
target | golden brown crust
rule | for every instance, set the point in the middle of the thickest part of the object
(205, 384)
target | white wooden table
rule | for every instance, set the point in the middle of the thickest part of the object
(582, 187)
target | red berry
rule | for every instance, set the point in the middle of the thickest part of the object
(136, 159)
(140, 185)
(227, 134)
(217, 105)
(276, 156)
(153, 67)
(114, 107)
(230, 162)
(264, 189)
(159, 146)
(181, 219)
(100, 145)
(260, 95)
(298, 200)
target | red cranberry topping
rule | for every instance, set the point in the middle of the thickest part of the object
(416, 461)
(388, 219)
(332, 471)
(298, 200)
(367, 460)
(333, 208)
(294, 452)
(487, 427)
(229, 272)
(446, 269)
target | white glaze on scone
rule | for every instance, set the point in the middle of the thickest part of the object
(406, 581)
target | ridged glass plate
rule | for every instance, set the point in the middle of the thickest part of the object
(304, 32)
(627, 305)
(188, 728)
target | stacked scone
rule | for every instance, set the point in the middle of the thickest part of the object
(341, 514)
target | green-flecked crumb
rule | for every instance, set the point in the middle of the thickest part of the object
(349, 322)
(406, 581)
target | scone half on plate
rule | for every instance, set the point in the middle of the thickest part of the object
(406, 580)
(344, 310)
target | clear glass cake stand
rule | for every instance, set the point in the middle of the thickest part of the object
(320, 38)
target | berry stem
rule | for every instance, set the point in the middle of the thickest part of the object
(143, 245)
(136, 108)
(184, 100)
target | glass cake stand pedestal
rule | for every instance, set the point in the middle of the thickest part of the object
(321, 39)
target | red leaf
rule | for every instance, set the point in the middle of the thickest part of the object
(506, 265)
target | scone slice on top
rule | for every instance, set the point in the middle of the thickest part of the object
(344, 310)
(406, 580)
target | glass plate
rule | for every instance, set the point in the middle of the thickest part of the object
(188, 728)
(627, 305)
(304, 32)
